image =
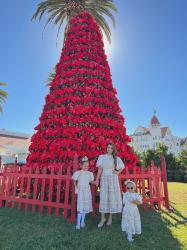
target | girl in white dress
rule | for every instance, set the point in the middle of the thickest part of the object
(109, 166)
(82, 180)
(131, 222)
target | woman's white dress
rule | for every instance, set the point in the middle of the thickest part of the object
(84, 196)
(110, 193)
(131, 222)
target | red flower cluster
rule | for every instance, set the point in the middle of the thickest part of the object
(81, 113)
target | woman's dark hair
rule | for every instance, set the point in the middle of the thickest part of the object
(114, 153)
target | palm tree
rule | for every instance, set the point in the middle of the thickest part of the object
(60, 11)
(3, 95)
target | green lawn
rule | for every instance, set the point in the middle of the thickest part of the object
(161, 230)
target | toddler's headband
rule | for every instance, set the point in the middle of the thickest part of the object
(130, 182)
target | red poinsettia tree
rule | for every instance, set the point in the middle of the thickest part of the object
(81, 113)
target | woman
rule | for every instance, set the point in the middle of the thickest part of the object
(109, 166)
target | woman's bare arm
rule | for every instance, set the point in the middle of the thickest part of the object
(99, 172)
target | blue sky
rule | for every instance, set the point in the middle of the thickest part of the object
(148, 59)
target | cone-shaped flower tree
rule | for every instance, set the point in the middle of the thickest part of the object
(81, 113)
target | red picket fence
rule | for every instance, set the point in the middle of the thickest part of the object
(31, 188)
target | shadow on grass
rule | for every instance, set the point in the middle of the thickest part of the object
(19, 230)
(174, 218)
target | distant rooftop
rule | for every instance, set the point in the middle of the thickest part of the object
(154, 120)
(5, 133)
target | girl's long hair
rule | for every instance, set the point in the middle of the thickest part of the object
(114, 153)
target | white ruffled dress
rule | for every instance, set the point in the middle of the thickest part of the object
(131, 221)
(84, 196)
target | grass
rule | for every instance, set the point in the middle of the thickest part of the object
(160, 230)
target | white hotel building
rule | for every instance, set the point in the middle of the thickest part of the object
(149, 138)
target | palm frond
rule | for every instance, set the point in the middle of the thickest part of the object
(103, 24)
(3, 84)
(3, 95)
(50, 77)
(58, 13)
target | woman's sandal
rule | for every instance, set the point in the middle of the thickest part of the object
(109, 223)
(101, 224)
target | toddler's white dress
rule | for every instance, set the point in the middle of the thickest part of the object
(131, 222)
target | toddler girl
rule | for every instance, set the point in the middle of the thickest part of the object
(131, 222)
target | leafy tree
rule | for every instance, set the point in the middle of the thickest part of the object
(171, 162)
(161, 150)
(182, 159)
(149, 155)
(176, 166)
